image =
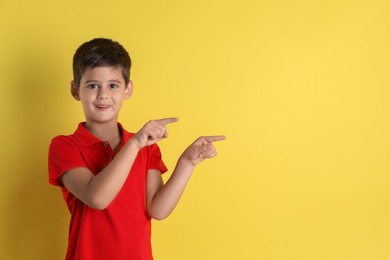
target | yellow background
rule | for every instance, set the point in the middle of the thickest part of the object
(300, 88)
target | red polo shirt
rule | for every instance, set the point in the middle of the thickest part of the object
(123, 229)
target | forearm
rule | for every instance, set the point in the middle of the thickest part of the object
(104, 187)
(97, 191)
(108, 183)
(161, 201)
(167, 197)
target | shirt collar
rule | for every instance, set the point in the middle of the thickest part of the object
(86, 138)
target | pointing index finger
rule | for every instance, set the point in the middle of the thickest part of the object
(214, 138)
(168, 120)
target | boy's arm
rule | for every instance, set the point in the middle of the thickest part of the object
(162, 199)
(97, 191)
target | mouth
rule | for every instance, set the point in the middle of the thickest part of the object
(102, 106)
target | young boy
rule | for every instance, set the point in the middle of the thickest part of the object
(110, 178)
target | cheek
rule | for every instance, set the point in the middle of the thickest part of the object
(85, 103)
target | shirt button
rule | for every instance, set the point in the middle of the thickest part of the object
(105, 144)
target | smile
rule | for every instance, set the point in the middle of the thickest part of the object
(102, 106)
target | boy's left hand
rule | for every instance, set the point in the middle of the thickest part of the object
(201, 149)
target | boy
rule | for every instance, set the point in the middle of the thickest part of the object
(110, 178)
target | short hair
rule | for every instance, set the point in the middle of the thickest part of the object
(101, 52)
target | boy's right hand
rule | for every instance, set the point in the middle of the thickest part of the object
(152, 132)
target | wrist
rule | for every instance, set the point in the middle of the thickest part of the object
(186, 162)
(133, 145)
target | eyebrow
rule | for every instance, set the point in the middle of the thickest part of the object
(96, 81)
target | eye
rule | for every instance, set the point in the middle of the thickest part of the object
(93, 86)
(113, 86)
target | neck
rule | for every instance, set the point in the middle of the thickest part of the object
(104, 131)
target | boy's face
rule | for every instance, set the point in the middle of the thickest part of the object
(101, 92)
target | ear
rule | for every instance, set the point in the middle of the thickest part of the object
(74, 90)
(128, 90)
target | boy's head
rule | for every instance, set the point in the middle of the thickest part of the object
(101, 52)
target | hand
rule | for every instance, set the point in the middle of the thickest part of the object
(201, 149)
(153, 131)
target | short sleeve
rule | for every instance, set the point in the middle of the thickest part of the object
(63, 156)
(155, 159)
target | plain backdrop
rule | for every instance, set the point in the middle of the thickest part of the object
(300, 89)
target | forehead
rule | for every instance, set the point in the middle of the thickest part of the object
(102, 74)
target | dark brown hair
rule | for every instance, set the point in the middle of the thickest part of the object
(101, 52)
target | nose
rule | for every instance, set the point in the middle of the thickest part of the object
(102, 93)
